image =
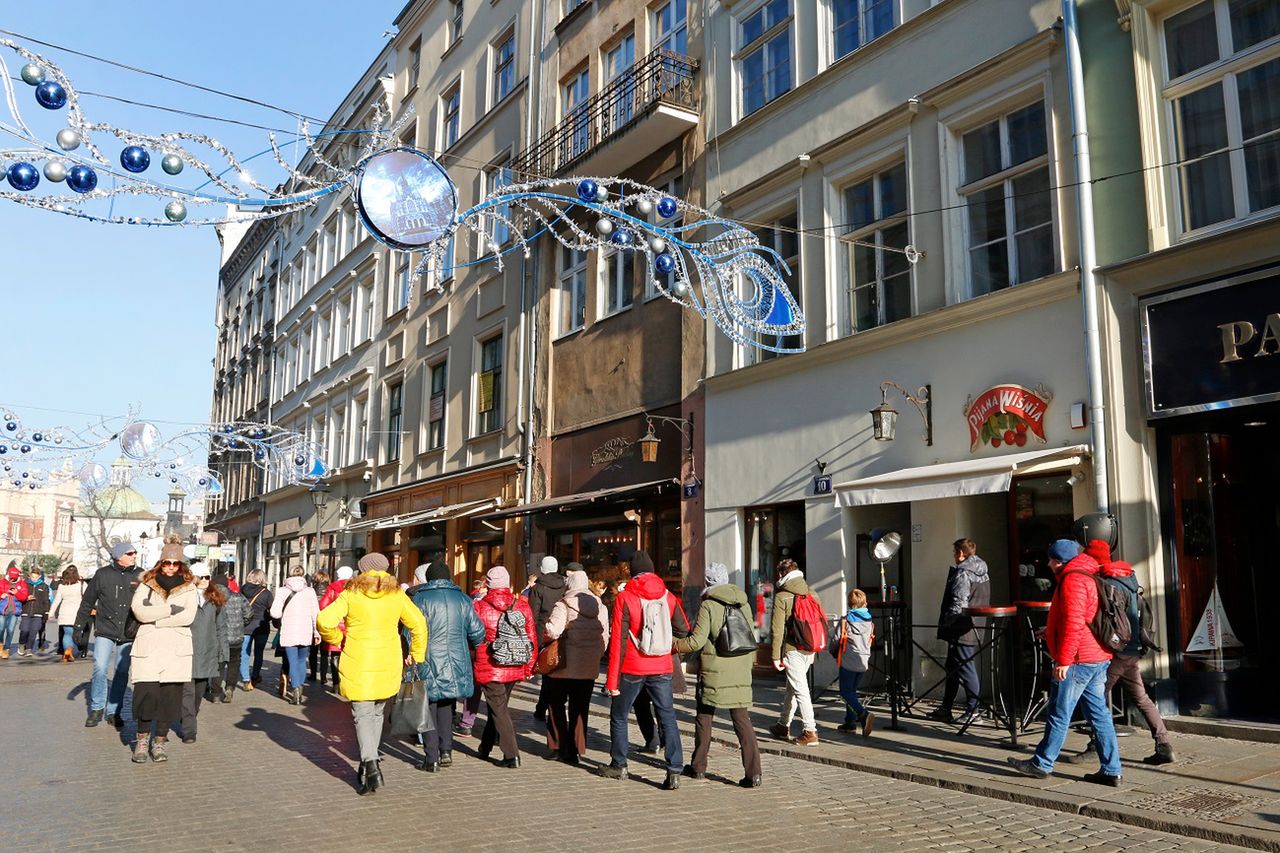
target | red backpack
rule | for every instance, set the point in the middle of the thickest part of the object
(807, 626)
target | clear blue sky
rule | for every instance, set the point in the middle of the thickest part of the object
(101, 317)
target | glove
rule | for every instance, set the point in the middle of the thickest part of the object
(175, 609)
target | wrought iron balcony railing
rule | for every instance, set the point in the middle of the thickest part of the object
(662, 77)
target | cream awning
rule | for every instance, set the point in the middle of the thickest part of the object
(440, 513)
(955, 479)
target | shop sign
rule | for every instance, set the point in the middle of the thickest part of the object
(609, 452)
(1007, 415)
(1211, 346)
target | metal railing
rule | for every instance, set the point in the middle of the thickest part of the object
(662, 77)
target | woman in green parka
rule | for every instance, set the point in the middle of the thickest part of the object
(724, 682)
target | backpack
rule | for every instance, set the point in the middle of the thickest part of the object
(511, 645)
(1146, 624)
(807, 625)
(1110, 624)
(655, 632)
(736, 636)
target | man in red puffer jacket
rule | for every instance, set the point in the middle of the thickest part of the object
(1080, 668)
(632, 671)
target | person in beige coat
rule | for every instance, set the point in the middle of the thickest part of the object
(580, 621)
(66, 604)
(165, 605)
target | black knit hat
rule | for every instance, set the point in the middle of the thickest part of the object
(438, 571)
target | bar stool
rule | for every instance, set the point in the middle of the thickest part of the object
(997, 618)
(1033, 614)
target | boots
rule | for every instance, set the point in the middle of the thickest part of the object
(370, 777)
(140, 748)
(94, 718)
(295, 696)
(4, 654)
(1163, 754)
(68, 656)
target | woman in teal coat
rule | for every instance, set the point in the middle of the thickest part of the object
(724, 682)
(454, 629)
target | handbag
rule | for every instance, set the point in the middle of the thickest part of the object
(411, 713)
(549, 658)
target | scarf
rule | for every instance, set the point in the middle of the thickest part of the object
(169, 582)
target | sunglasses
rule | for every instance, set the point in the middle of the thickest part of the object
(131, 553)
(164, 564)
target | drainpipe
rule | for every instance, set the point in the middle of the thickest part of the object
(1088, 253)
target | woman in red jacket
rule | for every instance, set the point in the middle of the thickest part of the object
(331, 654)
(505, 657)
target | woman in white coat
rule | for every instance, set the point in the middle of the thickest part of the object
(296, 607)
(66, 602)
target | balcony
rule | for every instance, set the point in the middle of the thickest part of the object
(649, 105)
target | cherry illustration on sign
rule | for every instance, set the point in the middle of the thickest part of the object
(1007, 415)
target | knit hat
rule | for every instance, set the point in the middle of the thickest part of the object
(420, 574)
(345, 573)
(374, 562)
(550, 565)
(172, 551)
(1099, 550)
(200, 569)
(716, 574)
(640, 563)
(498, 578)
(438, 571)
(119, 549)
(575, 567)
(1064, 550)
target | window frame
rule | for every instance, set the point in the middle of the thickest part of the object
(677, 24)
(776, 217)
(744, 50)
(895, 16)
(457, 16)
(571, 284)
(872, 231)
(612, 264)
(435, 429)
(393, 446)
(498, 68)
(499, 232)
(451, 119)
(489, 421)
(415, 67)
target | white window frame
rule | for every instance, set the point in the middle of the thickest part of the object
(743, 50)
(338, 426)
(366, 295)
(451, 121)
(579, 141)
(415, 66)
(871, 232)
(829, 24)
(399, 282)
(360, 427)
(611, 280)
(571, 291)
(498, 69)
(394, 433)
(457, 17)
(499, 232)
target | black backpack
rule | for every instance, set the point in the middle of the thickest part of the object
(1110, 625)
(736, 636)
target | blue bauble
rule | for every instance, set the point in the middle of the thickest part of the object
(667, 207)
(259, 454)
(228, 428)
(202, 481)
(623, 237)
(11, 426)
(587, 189)
(135, 158)
(664, 263)
(23, 176)
(82, 179)
(51, 96)
(37, 436)
(3, 449)
(299, 460)
(26, 448)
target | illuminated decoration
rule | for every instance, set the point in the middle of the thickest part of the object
(405, 198)
(29, 456)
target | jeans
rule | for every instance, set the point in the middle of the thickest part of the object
(258, 642)
(1084, 682)
(29, 631)
(797, 696)
(849, 681)
(98, 697)
(962, 670)
(658, 688)
(65, 632)
(296, 660)
(8, 626)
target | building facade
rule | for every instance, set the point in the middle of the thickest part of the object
(39, 521)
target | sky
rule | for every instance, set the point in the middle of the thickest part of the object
(100, 318)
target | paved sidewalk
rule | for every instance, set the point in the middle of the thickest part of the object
(1220, 790)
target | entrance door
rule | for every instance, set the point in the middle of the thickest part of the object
(773, 532)
(1222, 518)
(1040, 511)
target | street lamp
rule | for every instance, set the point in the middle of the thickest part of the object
(649, 445)
(319, 497)
(884, 418)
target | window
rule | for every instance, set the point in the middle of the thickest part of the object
(304, 356)
(1008, 201)
(875, 211)
(781, 236)
(671, 26)
(570, 5)
(336, 446)
(504, 67)
(359, 429)
(415, 65)
(1225, 123)
(489, 386)
(353, 230)
(764, 60)
(312, 261)
(395, 410)
(324, 328)
(342, 326)
(574, 94)
(364, 324)
(497, 177)
(455, 20)
(573, 289)
(400, 284)
(619, 279)
(618, 67)
(63, 530)
(438, 378)
(331, 243)
(450, 105)
(858, 22)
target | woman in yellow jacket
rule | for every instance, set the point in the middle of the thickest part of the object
(373, 607)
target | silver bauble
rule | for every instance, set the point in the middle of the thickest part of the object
(604, 227)
(32, 74)
(55, 171)
(175, 211)
(171, 163)
(68, 139)
(602, 195)
(644, 206)
(657, 245)
(680, 288)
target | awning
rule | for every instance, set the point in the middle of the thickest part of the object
(440, 513)
(955, 479)
(571, 501)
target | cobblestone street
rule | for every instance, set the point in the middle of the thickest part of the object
(266, 775)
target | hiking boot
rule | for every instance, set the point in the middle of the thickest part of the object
(868, 723)
(93, 719)
(226, 696)
(780, 731)
(1101, 778)
(1088, 755)
(614, 771)
(807, 739)
(157, 749)
(140, 749)
(1162, 755)
(672, 781)
(941, 715)
(1027, 768)
(68, 656)
(246, 685)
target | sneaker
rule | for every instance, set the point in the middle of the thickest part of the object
(868, 723)
(672, 781)
(968, 718)
(780, 731)
(140, 749)
(807, 739)
(649, 748)
(1027, 768)
(446, 759)
(613, 771)
(157, 749)
(246, 685)
(1101, 778)
(1162, 755)
(188, 738)
(750, 782)
(4, 654)
(463, 731)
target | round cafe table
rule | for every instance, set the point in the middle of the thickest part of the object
(998, 618)
(1033, 614)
